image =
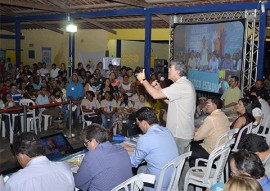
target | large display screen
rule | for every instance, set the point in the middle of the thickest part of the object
(213, 53)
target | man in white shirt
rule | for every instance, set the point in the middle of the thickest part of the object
(44, 71)
(38, 172)
(54, 71)
(181, 101)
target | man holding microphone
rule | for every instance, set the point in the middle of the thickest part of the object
(181, 99)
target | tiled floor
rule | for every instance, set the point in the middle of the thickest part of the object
(8, 162)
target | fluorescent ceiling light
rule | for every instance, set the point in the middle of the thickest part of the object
(71, 28)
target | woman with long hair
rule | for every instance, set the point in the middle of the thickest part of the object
(244, 109)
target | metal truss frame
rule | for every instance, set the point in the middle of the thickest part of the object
(250, 51)
(250, 46)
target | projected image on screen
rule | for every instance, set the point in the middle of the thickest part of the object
(213, 53)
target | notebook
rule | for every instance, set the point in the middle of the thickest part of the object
(56, 146)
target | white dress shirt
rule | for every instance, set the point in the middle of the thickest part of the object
(41, 174)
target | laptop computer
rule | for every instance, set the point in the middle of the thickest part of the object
(56, 146)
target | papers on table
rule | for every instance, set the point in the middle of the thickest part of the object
(75, 162)
(131, 142)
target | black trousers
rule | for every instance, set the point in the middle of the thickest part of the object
(197, 152)
(96, 119)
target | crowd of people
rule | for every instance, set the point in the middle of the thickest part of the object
(111, 96)
(164, 112)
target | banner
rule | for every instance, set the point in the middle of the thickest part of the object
(204, 81)
(110, 60)
(91, 58)
(46, 56)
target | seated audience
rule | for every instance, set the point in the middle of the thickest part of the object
(260, 89)
(38, 172)
(123, 111)
(54, 71)
(249, 164)
(8, 103)
(265, 110)
(91, 106)
(246, 162)
(89, 86)
(214, 125)
(201, 107)
(139, 104)
(126, 87)
(154, 104)
(256, 112)
(257, 144)
(114, 81)
(100, 67)
(15, 93)
(43, 99)
(244, 109)
(104, 165)
(108, 110)
(133, 129)
(131, 77)
(106, 87)
(157, 147)
(233, 94)
(57, 96)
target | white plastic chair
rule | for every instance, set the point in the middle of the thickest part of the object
(135, 183)
(226, 137)
(11, 117)
(4, 129)
(84, 121)
(266, 131)
(11, 126)
(248, 129)
(31, 121)
(177, 165)
(47, 120)
(202, 176)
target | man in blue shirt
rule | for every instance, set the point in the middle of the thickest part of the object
(104, 165)
(75, 93)
(43, 99)
(75, 89)
(157, 146)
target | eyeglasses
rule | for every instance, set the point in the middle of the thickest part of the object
(86, 143)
